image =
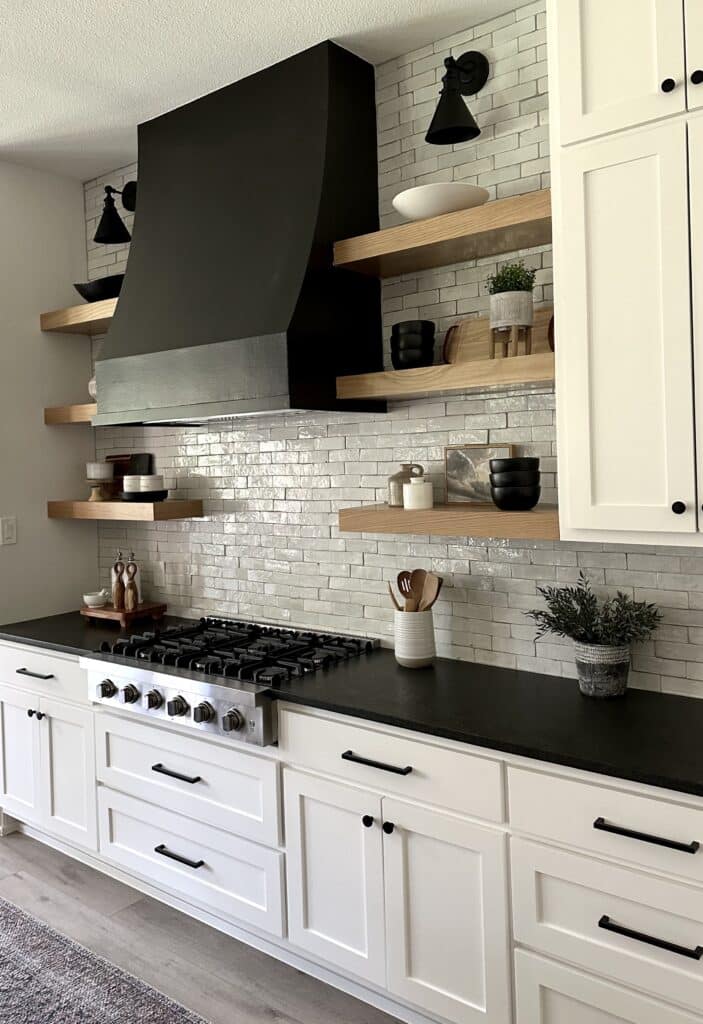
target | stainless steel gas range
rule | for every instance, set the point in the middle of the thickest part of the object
(216, 675)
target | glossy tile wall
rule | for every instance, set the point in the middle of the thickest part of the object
(270, 548)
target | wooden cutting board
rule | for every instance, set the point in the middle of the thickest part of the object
(474, 339)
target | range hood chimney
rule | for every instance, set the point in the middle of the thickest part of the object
(230, 305)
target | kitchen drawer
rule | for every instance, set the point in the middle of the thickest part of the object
(445, 778)
(565, 905)
(569, 812)
(234, 791)
(231, 877)
(548, 993)
(25, 666)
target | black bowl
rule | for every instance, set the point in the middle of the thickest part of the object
(406, 360)
(515, 499)
(516, 478)
(411, 341)
(103, 288)
(522, 465)
(424, 327)
(143, 495)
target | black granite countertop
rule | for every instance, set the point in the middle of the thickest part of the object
(72, 633)
(645, 737)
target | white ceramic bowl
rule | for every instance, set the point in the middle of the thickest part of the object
(99, 470)
(131, 483)
(96, 599)
(439, 197)
(154, 482)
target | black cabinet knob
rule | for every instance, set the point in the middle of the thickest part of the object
(668, 85)
(30, 712)
(697, 77)
(388, 827)
(678, 508)
(367, 821)
(40, 715)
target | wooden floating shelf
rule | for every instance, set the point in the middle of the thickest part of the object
(126, 511)
(87, 318)
(450, 377)
(503, 225)
(467, 520)
(60, 414)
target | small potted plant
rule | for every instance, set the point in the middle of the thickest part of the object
(602, 631)
(511, 301)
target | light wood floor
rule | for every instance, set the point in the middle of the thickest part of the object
(223, 980)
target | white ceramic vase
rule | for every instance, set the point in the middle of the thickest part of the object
(512, 309)
(414, 639)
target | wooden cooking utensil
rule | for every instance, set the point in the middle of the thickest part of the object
(394, 599)
(417, 583)
(430, 591)
(404, 586)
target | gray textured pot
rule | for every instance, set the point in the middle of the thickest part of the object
(602, 671)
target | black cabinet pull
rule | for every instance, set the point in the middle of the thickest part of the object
(33, 675)
(161, 849)
(697, 77)
(668, 85)
(191, 779)
(645, 837)
(678, 508)
(349, 755)
(30, 712)
(388, 827)
(651, 940)
(40, 715)
(367, 821)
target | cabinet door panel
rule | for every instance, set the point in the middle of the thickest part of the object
(624, 366)
(611, 60)
(335, 874)
(548, 993)
(695, 164)
(68, 790)
(446, 915)
(694, 51)
(19, 763)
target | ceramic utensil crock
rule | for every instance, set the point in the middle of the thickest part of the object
(414, 638)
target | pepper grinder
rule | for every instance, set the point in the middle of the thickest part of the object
(118, 588)
(131, 594)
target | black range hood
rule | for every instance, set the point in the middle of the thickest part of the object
(230, 305)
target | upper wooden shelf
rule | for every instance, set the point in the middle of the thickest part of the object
(504, 225)
(60, 414)
(88, 318)
(449, 377)
(127, 511)
(465, 520)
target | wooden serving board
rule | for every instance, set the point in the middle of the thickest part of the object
(146, 610)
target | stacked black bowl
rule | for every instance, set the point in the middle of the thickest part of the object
(412, 344)
(515, 483)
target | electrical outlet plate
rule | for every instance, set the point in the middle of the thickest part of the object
(8, 529)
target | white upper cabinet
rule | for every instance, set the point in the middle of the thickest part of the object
(624, 363)
(618, 64)
(694, 53)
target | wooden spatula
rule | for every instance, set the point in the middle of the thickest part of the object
(430, 591)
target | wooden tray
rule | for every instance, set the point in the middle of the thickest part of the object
(146, 610)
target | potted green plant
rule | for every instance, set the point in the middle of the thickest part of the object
(510, 291)
(602, 631)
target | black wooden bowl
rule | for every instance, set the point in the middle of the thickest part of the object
(515, 499)
(103, 288)
(523, 464)
(516, 478)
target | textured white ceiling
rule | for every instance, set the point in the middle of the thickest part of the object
(77, 76)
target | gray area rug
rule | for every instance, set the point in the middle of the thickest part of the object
(46, 978)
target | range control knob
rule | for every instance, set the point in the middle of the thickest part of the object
(203, 712)
(107, 688)
(129, 694)
(152, 700)
(177, 707)
(233, 721)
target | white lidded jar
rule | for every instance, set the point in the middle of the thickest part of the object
(414, 638)
(417, 493)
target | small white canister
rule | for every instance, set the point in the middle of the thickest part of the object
(417, 493)
(414, 639)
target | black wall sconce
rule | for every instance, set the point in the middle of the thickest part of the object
(453, 121)
(112, 229)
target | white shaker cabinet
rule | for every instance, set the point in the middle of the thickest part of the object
(67, 758)
(624, 363)
(694, 53)
(446, 915)
(20, 774)
(617, 64)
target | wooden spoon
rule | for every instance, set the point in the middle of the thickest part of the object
(430, 591)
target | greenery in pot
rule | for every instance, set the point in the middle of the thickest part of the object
(602, 630)
(513, 277)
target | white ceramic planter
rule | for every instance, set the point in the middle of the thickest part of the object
(417, 493)
(414, 639)
(510, 309)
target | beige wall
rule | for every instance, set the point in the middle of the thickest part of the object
(42, 251)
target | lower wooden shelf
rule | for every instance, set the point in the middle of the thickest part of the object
(127, 511)
(466, 520)
(60, 414)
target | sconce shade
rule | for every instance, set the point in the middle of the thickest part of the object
(452, 122)
(111, 229)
